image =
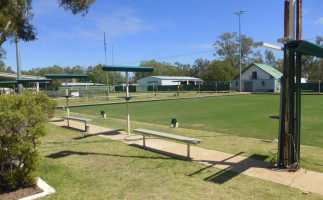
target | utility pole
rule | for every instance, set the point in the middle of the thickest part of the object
(114, 73)
(239, 13)
(107, 75)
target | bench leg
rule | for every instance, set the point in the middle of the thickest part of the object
(144, 140)
(68, 123)
(188, 150)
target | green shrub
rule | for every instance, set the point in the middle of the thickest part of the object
(22, 122)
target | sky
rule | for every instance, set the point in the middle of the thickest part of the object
(165, 30)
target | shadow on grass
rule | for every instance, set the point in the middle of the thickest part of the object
(63, 154)
(72, 128)
(234, 169)
(174, 156)
(113, 132)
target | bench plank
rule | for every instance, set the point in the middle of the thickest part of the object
(184, 139)
(170, 136)
(77, 118)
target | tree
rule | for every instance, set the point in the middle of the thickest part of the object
(228, 47)
(199, 68)
(220, 71)
(16, 17)
(22, 123)
(160, 69)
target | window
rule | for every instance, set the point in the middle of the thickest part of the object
(254, 75)
(263, 83)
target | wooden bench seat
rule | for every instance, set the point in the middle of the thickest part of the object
(184, 139)
(78, 119)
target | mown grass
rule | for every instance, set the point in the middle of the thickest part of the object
(311, 157)
(98, 168)
(246, 115)
(114, 97)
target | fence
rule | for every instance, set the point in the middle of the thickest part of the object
(312, 87)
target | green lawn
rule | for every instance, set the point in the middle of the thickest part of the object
(98, 168)
(246, 116)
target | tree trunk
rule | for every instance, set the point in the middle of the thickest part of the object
(3, 36)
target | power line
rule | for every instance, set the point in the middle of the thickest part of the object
(166, 57)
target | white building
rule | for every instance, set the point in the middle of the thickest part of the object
(258, 78)
(168, 80)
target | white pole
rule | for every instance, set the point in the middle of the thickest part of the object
(127, 99)
(240, 51)
(37, 87)
(319, 86)
(66, 92)
(86, 99)
(18, 64)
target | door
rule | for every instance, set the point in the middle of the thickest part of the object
(248, 87)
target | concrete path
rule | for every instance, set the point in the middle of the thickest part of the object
(304, 180)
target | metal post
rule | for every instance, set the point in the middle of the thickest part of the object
(240, 52)
(319, 86)
(114, 73)
(127, 99)
(67, 103)
(37, 87)
(144, 140)
(239, 13)
(18, 64)
(298, 108)
(188, 150)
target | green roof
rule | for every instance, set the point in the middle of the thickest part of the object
(33, 80)
(268, 69)
(126, 68)
(63, 76)
(8, 82)
(305, 48)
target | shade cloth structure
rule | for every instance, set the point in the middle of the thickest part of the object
(37, 81)
(290, 103)
(127, 69)
(8, 82)
(22, 81)
(66, 76)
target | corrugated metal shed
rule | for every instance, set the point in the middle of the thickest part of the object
(177, 78)
(270, 70)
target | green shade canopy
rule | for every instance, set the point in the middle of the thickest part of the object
(8, 82)
(21, 81)
(126, 68)
(65, 76)
(305, 48)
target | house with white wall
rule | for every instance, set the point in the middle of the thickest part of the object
(258, 78)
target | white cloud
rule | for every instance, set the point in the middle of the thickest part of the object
(123, 23)
(319, 21)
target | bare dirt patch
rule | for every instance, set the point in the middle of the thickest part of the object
(21, 193)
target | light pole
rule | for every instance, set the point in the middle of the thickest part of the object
(239, 13)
